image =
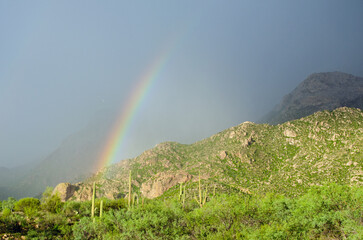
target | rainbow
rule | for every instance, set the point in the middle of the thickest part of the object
(122, 124)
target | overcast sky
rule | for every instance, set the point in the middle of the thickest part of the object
(64, 62)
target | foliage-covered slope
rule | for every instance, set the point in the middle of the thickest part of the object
(287, 158)
(325, 212)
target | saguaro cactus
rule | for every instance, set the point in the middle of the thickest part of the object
(135, 199)
(101, 208)
(202, 195)
(129, 189)
(182, 194)
(93, 200)
(180, 191)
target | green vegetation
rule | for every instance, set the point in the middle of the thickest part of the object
(51, 202)
(28, 206)
(298, 180)
(202, 195)
(9, 204)
(130, 190)
(327, 212)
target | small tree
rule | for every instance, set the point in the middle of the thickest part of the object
(29, 206)
(51, 202)
(24, 203)
(8, 203)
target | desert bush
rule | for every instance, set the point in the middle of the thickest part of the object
(222, 218)
(52, 224)
(6, 213)
(51, 202)
(153, 221)
(332, 211)
(8, 203)
(14, 223)
(112, 204)
(29, 206)
(71, 208)
(327, 212)
(274, 208)
(86, 228)
(272, 231)
(85, 208)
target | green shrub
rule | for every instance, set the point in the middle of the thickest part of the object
(270, 232)
(6, 213)
(71, 208)
(14, 223)
(51, 202)
(328, 212)
(153, 221)
(8, 203)
(26, 202)
(112, 204)
(274, 208)
(29, 206)
(85, 208)
(332, 211)
(86, 228)
(52, 224)
(221, 218)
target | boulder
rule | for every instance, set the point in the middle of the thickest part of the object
(289, 133)
(65, 190)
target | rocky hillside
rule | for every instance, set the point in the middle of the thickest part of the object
(320, 91)
(287, 158)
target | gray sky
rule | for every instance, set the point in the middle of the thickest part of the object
(64, 62)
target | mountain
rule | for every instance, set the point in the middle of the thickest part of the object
(320, 91)
(74, 160)
(287, 158)
(10, 176)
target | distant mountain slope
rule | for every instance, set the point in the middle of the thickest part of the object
(10, 176)
(287, 158)
(320, 91)
(74, 160)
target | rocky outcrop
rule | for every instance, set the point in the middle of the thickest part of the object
(65, 190)
(162, 182)
(289, 133)
(320, 91)
(77, 192)
(85, 194)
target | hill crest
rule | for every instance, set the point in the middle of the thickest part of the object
(286, 158)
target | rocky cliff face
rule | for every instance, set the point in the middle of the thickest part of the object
(164, 181)
(320, 91)
(65, 190)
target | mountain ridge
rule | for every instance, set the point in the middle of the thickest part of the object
(75, 158)
(285, 158)
(318, 92)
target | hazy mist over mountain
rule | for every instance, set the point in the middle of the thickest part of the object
(65, 64)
